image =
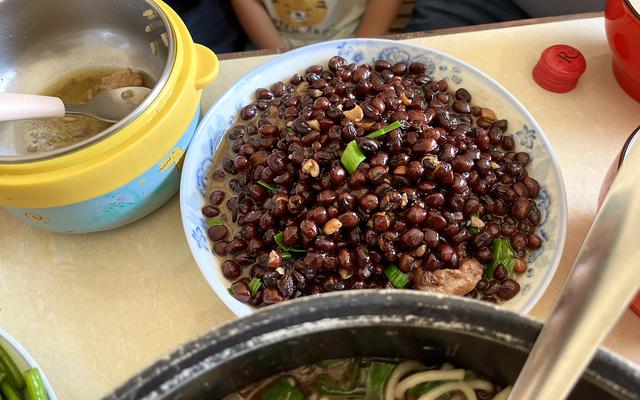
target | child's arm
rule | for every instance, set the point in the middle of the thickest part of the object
(257, 24)
(378, 17)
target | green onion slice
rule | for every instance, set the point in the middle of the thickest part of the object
(502, 254)
(254, 285)
(287, 256)
(384, 130)
(214, 222)
(352, 157)
(282, 389)
(269, 186)
(13, 374)
(35, 385)
(8, 391)
(397, 278)
(279, 239)
(377, 377)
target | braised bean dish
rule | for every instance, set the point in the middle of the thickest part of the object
(370, 176)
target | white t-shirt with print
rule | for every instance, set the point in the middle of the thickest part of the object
(305, 21)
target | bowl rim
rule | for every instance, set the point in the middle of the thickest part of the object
(123, 123)
(242, 309)
(22, 351)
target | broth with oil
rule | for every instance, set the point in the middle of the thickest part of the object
(76, 87)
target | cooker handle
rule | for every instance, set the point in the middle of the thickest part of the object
(15, 106)
(207, 66)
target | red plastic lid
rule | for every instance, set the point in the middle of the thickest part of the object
(635, 305)
(559, 68)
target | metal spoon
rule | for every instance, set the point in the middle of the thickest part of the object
(602, 282)
(109, 106)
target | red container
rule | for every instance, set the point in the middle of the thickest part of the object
(633, 140)
(622, 22)
(559, 68)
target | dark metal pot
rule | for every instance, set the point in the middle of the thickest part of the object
(387, 323)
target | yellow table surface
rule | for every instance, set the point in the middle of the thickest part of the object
(95, 309)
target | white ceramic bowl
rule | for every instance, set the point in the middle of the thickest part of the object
(485, 91)
(23, 359)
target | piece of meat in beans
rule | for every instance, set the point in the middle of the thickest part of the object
(431, 197)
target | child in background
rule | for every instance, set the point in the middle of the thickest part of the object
(291, 23)
(211, 23)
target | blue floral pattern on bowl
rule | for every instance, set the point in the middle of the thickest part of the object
(486, 92)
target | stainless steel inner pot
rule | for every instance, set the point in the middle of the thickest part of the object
(42, 40)
(387, 323)
(632, 141)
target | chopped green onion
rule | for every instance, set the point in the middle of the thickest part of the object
(290, 131)
(254, 285)
(287, 256)
(14, 376)
(269, 186)
(397, 278)
(35, 385)
(8, 391)
(377, 377)
(352, 157)
(473, 229)
(502, 254)
(279, 239)
(282, 389)
(214, 222)
(384, 130)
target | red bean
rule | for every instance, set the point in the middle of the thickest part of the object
(369, 202)
(435, 200)
(381, 223)
(349, 219)
(435, 220)
(412, 238)
(218, 232)
(508, 289)
(240, 290)
(416, 214)
(532, 186)
(231, 269)
(461, 164)
(210, 211)
(518, 241)
(521, 208)
(534, 241)
(291, 236)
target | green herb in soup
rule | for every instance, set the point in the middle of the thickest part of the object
(373, 379)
